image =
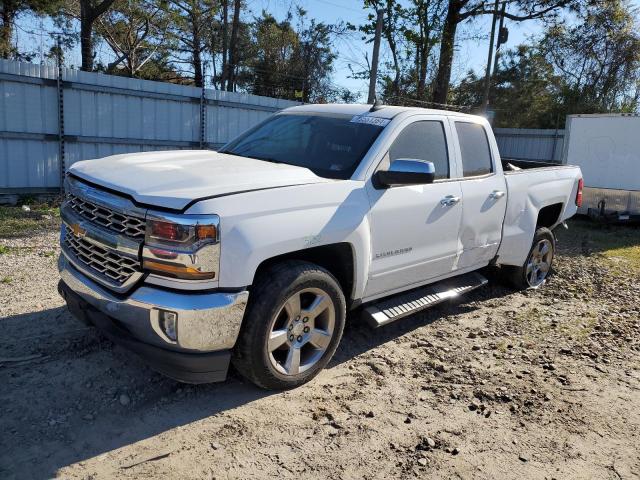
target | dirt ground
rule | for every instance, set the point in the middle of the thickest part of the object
(541, 384)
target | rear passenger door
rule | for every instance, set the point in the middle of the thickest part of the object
(483, 193)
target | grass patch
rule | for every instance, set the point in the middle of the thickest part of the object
(6, 280)
(15, 222)
(617, 242)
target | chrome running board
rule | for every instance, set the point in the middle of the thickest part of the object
(407, 303)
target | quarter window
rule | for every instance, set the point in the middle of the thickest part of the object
(474, 149)
(423, 140)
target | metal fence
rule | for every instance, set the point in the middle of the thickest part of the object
(48, 113)
(530, 144)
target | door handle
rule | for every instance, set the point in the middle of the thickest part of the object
(496, 194)
(449, 201)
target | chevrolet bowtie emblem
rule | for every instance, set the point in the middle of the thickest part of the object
(78, 231)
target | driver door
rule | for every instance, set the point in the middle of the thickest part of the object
(415, 228)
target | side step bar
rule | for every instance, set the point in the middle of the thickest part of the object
(407, 303)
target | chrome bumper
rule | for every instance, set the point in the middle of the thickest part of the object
(206, 321)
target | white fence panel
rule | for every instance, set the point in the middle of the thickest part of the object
(106, 115)
(530, 144)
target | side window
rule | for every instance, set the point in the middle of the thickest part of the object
(474, 148)
(423, 140)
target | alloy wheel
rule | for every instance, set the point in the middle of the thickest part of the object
(301, 331)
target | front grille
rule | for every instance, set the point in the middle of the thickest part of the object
(115, 267)
(129, 225)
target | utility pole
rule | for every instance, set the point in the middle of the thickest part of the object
(374, 60)
(487, 76)
(502, 37)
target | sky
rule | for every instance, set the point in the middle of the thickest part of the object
(471, 54)
(472, 39)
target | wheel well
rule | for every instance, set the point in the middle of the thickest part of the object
(549, 215)
(337, 258)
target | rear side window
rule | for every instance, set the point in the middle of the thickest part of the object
(423, 140)
(474, 148)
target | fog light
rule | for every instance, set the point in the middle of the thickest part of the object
(169, 324)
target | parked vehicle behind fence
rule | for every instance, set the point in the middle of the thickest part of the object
(255, 254)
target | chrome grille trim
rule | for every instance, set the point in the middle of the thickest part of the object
(105, 265)
(128, 225)
(109, 231)
(113, 212)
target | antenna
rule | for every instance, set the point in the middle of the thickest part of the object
(377, 105)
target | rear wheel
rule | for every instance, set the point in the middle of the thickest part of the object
(292, 327)
(537, 266)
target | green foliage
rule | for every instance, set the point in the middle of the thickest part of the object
(590, 67)
(9, 10)
(289, 59)
(598, 58)
(15, 222)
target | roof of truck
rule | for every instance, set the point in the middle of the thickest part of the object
(384, 111)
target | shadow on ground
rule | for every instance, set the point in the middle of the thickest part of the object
(65, 406)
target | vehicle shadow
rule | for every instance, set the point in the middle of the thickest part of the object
(82, 397)
(359, 337)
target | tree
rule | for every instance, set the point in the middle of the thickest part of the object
(526, 90)
(190, 21)
(459, 11)
(233, 47)
(135, 31)
(10, 9)
(424, 36)
(90, 11)
(592, 66)
(289, 59)
(598, 58)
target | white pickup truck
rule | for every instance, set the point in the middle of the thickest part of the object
(254, 254)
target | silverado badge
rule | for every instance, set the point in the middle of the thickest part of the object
(78, 231)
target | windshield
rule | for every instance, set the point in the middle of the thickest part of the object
(330, 145)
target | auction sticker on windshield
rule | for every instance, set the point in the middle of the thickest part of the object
(369, 120)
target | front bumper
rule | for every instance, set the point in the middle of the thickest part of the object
(208, 323)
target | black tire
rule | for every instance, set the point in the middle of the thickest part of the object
(273, 287)
(518, 276)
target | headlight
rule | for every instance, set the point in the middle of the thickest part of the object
(182, 246)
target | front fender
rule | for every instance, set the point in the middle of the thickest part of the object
(257, 226)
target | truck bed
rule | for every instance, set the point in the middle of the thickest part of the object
(532, 186)
(510, 165)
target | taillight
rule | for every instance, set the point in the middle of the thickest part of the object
(579, 193)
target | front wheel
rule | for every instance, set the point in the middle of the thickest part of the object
(537, 266)
(292, 327)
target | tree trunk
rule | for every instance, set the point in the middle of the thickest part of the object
(447, 45)
(233, 48)
(88, 15)
(86, 42)
(225, 44)
(197, 57)
(6, 30)
(422, 73)
(389, 31)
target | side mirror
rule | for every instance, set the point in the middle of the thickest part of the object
(406, 171)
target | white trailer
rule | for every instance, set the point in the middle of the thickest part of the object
(607, 149)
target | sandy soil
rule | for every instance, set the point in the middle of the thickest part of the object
(541, 384)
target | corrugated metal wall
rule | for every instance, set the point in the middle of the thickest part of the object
(105, 115)
(530, 144)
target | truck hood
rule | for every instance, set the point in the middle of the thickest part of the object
(175, 179)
